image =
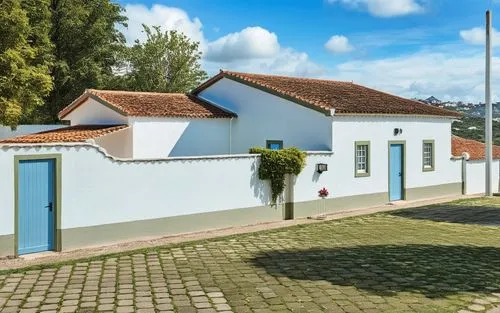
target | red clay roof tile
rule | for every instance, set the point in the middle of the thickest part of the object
(79, 133)
(325, 95)
(152, 104)
(474, 148)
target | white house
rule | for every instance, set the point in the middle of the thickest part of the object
(135, 164)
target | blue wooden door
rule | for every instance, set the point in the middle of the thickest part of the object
(35, 206)
(396, 172)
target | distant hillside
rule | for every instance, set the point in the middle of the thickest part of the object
(473, 128)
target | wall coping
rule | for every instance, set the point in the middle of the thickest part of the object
(91, 144)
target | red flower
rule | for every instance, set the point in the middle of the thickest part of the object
(323, 193)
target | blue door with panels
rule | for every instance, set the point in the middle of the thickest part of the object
(396, 173)
(35, 205)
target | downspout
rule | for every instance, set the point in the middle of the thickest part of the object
(332, 113)
(465, 157)
(230, 135)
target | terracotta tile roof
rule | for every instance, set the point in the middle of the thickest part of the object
(324, 95)
(78, 133)
(150, 104)
(474, 148)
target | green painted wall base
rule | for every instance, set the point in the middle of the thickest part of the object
(6, 245)
(315, 207)
(109, 233)
(434, 191)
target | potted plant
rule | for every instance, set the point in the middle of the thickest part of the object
(323, 194)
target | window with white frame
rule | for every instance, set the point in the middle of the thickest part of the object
(362, 158)
(428, 155)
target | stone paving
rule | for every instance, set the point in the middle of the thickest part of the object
(389, 262)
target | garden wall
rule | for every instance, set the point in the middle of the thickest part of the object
(106, 200)
(475, 180)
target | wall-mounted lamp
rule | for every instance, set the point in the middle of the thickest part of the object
(321, 167)
(398, 131)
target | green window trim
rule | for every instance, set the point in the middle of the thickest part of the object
(432, 166)
(367, 160)
(269, 143)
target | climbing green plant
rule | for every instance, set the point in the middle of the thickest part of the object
(275, 164)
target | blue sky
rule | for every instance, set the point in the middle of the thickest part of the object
(413, 48)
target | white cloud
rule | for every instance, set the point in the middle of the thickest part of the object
(477, 36)
(291, 62)
(385, 8)
(338, 44)
(250, 43)
(448, 76)
(168, 18)
(253, 49)
(286, 62)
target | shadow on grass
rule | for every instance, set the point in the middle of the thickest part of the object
(433, 270)
(482, 215)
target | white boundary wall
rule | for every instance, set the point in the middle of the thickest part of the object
(97, 189)
(7, 132)
(475, 176)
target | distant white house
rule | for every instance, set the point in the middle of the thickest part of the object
(135, 164)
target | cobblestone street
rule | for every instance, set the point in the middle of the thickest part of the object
(429, 259)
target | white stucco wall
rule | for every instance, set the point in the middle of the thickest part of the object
(379, 131)
(163, 137)
(118, 144)
(476, 181)
(93, 185)
(7, 132)
(97, 190)
(340, 179)
(93, 112)
(262, 116)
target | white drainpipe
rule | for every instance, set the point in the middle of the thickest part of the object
(230, 135)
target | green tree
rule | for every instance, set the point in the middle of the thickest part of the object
(86, 45)
(25, 58)
(166, 62)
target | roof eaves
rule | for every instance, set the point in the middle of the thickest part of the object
(208, 83)
(81, 99)
(73, 105)
(229, 112)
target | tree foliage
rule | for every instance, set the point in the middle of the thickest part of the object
(25, 58)
(52, 50)
(165, 62)
(275, 164)
(473, 128)
(87, 44)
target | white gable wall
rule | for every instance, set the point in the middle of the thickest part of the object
(163, 137)
(262, 116)
(93, 112)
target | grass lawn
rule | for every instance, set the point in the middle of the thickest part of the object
(439, 258)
